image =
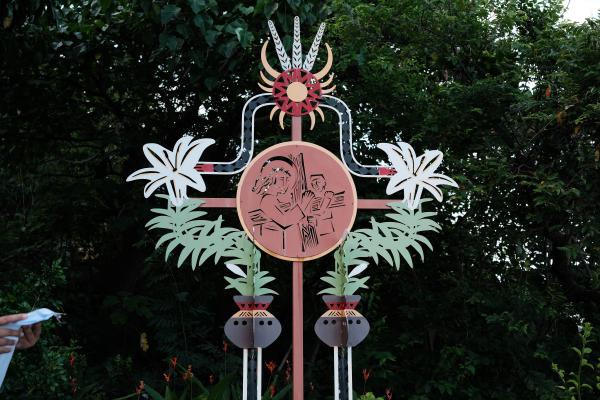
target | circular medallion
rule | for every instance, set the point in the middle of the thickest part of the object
(296, 201)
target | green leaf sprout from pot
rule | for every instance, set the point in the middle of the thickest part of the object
(252, 281)
(342, 281)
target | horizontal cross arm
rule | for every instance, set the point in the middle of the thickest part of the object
(229, 202)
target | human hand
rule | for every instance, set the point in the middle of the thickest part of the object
(6, 343)
(309, 194)
(31, 334)
(307, 198)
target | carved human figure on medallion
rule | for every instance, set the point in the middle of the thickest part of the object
(296, 200)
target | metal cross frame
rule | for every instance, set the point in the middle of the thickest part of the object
(296, 91)
(297, 277)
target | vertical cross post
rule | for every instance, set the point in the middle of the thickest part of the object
(342, 375)
(297, 305)
(251, 387)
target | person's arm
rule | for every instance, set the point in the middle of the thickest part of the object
(290, 217)
(6, 343)
(325, 203)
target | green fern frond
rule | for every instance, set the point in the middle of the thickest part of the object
(198, 239)
(393, 239)
(389, 240)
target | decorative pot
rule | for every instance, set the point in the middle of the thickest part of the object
(252, 326)
(341, 325)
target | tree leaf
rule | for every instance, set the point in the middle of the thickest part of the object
(168, 13)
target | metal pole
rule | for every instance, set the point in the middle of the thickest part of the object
(336, 375)
(259, 373)
(245, 376)
(297, 305)
(350, 372)
(343, 374)
(251, 387)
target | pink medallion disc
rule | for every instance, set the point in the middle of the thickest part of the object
(297, 201)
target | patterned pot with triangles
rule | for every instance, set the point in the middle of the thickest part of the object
(252, 326)
(341, 325)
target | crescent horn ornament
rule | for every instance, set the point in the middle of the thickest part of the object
(319, 75)
(295, 89)
(263, 57)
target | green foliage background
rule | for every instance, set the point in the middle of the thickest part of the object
(504, 88)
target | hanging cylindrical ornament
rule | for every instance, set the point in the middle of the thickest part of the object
(342, 327)
(252, 328)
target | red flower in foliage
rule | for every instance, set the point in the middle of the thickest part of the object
(548, 91)
(366, 373)
(72, 359)
(225, 346)
(272, 390)
(271, 365)
(174, 361)
(388, 394)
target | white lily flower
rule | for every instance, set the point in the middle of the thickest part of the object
(413, 174)
(175, 169)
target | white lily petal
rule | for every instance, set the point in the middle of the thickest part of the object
(410, 194)
(181, 146)
(176, 201)
(198, 185)
(418, 162)
(174, 168)
(409, 155)
(192, 179)
(145, 173)
(194, 152)
(158, 157)
(410, 203)
(397, 160)
(403, 174)
(418, 195)
(434, 190)
(152, 186)
(429, 162)
(180, 188)
(397, 183)
(439, 179)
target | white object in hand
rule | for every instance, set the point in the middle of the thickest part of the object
(42, 314)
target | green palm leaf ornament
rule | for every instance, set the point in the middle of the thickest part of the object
(198, 239)
(393, 240)
(252, 281)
